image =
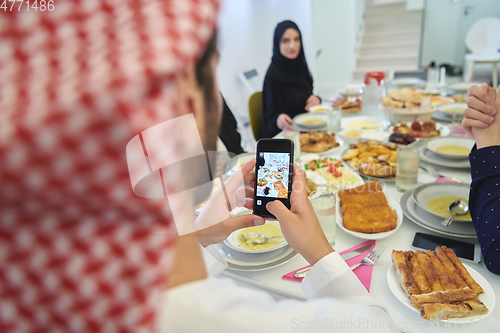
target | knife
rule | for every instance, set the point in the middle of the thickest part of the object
(345, 256)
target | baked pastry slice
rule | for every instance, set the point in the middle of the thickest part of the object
(440, 311)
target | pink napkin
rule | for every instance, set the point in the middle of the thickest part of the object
(447, 180)
(363, 272)
(459, 130)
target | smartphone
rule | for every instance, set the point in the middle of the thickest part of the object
(463, 250)
(273, 174)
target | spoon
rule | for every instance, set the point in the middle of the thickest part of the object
(256, 238)
(458, 207)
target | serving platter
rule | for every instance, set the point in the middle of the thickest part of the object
(392, 202)
(384, 179)
(488, 298)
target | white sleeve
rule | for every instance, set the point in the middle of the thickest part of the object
(214, 261)
(219, 305)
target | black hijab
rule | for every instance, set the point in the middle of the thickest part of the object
(287, 85)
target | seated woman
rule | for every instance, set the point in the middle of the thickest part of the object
(288, 84)
(482, 120)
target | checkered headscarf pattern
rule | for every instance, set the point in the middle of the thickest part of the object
(78, 250)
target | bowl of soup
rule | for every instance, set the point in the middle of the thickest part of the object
(320, 108)
(437, 197)
(455, 148)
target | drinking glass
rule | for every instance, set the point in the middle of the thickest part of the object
(293, 135)
(407, 169)
(333, 118)
(324, 207)
(432, 79)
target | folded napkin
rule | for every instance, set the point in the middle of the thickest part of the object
(363, 272)
(459, 130)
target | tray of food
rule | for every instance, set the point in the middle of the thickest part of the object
(439, 286)
(334, 172)
(373, 159)
(367, 212)
(319, 142)
(349, 104)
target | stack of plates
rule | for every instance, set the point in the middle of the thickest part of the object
(241, 259)
(414, 206)
(430, 153)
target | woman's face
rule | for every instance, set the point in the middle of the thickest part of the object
(290, 43)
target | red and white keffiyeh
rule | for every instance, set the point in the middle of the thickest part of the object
(79, 252)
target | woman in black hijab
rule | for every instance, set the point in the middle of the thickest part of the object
(288, 84)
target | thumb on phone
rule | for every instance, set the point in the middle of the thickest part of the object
(278, 209)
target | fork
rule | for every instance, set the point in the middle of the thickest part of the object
(431, 171)
(371, 257)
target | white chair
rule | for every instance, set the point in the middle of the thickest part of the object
(483, 40)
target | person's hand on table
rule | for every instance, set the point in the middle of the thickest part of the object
(490, 135)
(299, 225)
(284, 121)
(216, 214)
(312, 101)
(480, 112)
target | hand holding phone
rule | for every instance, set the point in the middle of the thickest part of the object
(273, 174)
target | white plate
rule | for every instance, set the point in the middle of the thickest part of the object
(463, 86)
(424, 193)
(351, 92)
(406, 81)
(359, 181)
(430, 222)
(449, 108)
(435, 143)
(488, 298)
(299, 120)
(232, 241)
(374, 123)
(320, 109)
(255, 262)
(393, 203)
(432, 158)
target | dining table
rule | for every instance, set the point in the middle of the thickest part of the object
(407, 320)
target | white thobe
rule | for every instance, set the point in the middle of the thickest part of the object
(336, 301)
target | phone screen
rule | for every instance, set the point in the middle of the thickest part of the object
(273, 174)
(429, 242)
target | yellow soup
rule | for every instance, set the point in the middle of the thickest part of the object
(364, 124)
(439, 205)
(453, 150)
(269, 230)
(313, 122)
(321, 109)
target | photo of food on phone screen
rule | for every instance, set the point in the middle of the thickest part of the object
(272, 175)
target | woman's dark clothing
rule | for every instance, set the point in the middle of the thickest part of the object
(287, 85)
(228, 131)
(484, 201)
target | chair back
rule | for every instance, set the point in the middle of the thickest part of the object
(255, 114)
(483, 36)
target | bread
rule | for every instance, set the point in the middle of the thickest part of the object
(438, 284)
(443, 311)
(366, 210)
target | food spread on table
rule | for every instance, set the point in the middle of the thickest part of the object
(269, 230)
(404, 98)
(317, 142)
(372, 158)
(438, 284)
(333, 171)
(272, 177)
(349, 105)
(366, 210)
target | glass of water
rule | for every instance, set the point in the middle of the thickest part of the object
(407, 169)
(324, 207)
(333, 118)
(293, 135)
